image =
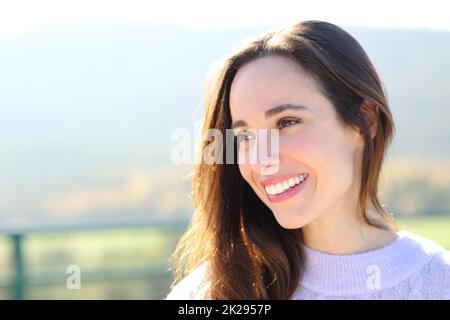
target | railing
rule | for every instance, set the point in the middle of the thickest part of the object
(19, 232)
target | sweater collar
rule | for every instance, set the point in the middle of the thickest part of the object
(374, 270)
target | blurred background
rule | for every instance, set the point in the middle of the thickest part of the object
(91, 91)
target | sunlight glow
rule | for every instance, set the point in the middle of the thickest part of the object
(21, 16)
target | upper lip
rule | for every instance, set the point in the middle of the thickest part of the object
(279, 178)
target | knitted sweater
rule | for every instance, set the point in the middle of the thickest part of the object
(411, 267)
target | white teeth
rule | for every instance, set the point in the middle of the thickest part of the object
(280, 187)
(291, 182)
(273, 189)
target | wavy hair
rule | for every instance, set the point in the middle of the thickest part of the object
(247, 253)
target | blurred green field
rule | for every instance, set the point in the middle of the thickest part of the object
(125, 264)
(115, 264)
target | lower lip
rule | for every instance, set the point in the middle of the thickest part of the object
(288, 193)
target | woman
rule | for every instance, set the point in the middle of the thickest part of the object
(308, 225)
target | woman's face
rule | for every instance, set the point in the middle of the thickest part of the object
(319, 157)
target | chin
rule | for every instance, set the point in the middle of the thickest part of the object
(290, 222)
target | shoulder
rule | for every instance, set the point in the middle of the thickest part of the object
(433, 279)
(192, 287)
(437, 276)
(424, 245)
(442, 260)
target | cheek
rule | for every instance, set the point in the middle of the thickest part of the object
(246, 172)
(303, 147)
(324, 155)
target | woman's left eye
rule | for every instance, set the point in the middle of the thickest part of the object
(287, 122)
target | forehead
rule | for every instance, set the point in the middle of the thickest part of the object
(267, 82)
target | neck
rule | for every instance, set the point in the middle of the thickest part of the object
(339, 233)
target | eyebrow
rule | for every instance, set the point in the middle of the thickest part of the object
(271, 112)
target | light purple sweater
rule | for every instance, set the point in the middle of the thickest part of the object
(411, 267)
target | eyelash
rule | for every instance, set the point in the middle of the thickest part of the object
(279, 122)
(245, 135)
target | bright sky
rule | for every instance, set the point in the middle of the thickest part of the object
(21, 16)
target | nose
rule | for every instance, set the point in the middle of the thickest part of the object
(265, 152)
(268, 165)
(262, 153)
(260, 162)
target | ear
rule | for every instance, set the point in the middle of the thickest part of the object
(369, 111)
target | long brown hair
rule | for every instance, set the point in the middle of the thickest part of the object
(247, 253)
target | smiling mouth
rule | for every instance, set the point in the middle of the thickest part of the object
(285, 185)
(280, 190)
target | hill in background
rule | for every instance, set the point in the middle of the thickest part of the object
(87, 114)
